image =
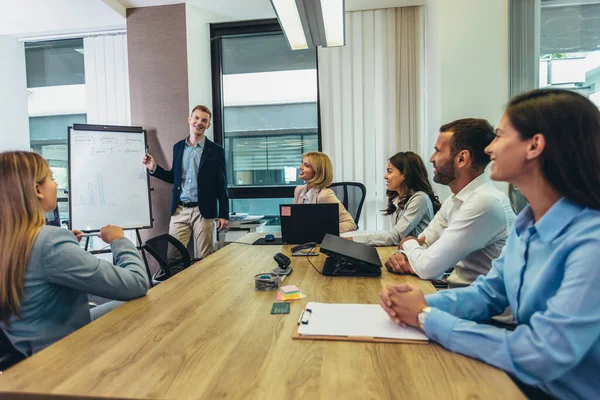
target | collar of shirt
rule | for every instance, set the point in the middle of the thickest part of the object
(471, 187)
(552, 223)
(200, 144)
(307, 195)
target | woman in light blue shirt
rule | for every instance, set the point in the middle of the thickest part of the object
(411, 200)
(547, 145)
(45, 276)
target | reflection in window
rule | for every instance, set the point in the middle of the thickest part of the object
(569, 37)
(54, 63)
(270, 112)
(48, 137)
(268, 160)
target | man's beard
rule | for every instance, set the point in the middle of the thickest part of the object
(444, 173)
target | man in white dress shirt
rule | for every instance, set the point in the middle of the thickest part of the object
(470, 229)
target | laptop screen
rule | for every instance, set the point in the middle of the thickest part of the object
(304, 223)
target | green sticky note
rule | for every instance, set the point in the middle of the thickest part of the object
(280, 308)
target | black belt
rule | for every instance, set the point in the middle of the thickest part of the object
(189, 204)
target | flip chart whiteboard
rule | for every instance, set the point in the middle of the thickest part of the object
(108, 184)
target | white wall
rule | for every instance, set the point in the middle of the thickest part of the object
(14, 121)
(433, 87)
(475, 58)
(29, 18)
(198, 55)
(467, 63)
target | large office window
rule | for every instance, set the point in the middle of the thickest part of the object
(555, 44)
(48, 136)
(266, 111)
(54, 63)
(56, 100)
(569, 46)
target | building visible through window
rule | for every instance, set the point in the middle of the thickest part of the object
(570, 46)
(269, 114)
(56, 100)
(270, 108)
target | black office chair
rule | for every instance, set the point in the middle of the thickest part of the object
(352, 195)
(9, 356)
(53, 217)
(517, 200)
(159, 247)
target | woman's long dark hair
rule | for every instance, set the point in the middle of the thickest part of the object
(570, 124)
(415, 180)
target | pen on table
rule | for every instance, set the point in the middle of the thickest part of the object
(300, 317)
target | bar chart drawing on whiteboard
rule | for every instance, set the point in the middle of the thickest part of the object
(95, 195)
(101, 189)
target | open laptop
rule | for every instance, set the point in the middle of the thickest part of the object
(348, 258)
(304, 223)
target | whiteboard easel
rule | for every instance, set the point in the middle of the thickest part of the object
(108, 184)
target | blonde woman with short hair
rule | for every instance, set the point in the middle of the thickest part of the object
(317, 171)
(45, 276)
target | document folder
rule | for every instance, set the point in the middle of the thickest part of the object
(353, 322)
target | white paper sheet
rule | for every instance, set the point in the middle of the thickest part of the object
(368, 320)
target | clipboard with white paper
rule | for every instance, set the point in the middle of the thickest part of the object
(353, 322)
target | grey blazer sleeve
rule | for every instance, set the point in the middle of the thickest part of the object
(67, 264)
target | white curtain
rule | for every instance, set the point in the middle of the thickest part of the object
(371, 100)
(107, 80)
(107, 92)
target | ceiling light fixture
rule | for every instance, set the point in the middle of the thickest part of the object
(311, 23)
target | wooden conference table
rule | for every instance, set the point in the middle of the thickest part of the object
(206, 333)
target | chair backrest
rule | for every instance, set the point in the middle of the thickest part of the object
(53, 217)
(352, 195)
(171, 255)
(517, 200)
(9, 356)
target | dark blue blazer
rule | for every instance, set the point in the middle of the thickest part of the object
(212, 179)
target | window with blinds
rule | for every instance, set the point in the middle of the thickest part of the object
(268, 160)
(269, 108)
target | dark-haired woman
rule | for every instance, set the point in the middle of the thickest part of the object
(548, 145)
(411, 201)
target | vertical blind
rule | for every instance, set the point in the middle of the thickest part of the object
(107, 79)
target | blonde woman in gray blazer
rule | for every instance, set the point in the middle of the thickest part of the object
(317, 171)
(411, 201)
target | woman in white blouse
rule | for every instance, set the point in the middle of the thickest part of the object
(317, 171)
(411, 200)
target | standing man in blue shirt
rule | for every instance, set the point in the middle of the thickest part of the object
(199, 183)
(548, 145)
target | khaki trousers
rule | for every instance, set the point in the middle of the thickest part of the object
(187, 220)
